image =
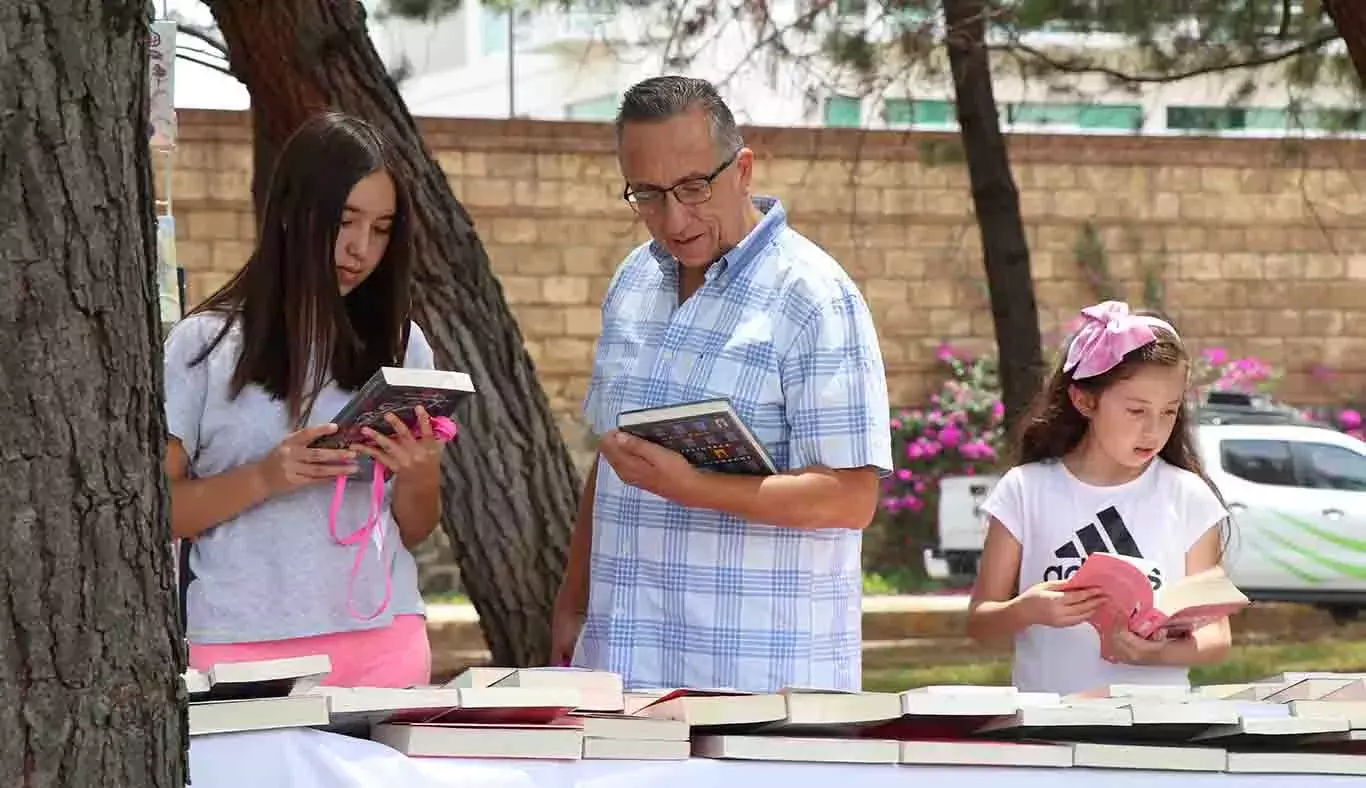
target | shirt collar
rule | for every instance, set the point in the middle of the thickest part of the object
(773, 220)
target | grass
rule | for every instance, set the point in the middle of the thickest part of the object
(874, 584)
(1245, 663)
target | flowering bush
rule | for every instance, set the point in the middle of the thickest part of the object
(1215, 369)
(959, 432)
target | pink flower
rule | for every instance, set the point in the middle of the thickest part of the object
(919, 487)
(1349, 419)
(998, 411)
(905, 474)
(914, 451)
(950, 436)
(896, 424)
(1216, 356)
(891, 504)
(944, 353)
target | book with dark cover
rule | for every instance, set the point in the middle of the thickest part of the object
(709, 433)
(397, 390)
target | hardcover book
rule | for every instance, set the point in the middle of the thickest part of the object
(709, 433)
(396, 390)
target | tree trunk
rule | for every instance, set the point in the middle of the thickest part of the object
(997, 203)
(1349, 16)
(90, 650)
(511, 489)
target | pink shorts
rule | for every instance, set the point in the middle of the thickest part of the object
(398, 655)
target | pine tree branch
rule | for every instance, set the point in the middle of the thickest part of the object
(1082, 66)
(206, 64)
(201, 34)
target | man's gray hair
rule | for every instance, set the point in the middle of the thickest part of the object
(661, 98)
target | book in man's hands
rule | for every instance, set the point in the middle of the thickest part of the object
(396, 390)
(708, 433)
(1174, 610)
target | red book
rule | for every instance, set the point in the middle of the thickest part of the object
(1174, 611)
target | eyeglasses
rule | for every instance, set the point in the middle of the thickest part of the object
(690, 191)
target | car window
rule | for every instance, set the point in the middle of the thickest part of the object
(1260, 461)
(1329, 467)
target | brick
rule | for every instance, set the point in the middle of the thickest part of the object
(189, 185)
(583, 321)
(203, 284)
(236, 156)
(487, 193)
(540, 321)
(540, 261)
(587, 260)
(521, 289)
(211, 225)
(229, 186)
(512, 165)
(229, 255)
(511, 230)
(565, 290)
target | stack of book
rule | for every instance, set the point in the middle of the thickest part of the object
(1292, 723)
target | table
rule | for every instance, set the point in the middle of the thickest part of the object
(307, 758)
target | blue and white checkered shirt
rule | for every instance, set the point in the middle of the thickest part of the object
(696, 598)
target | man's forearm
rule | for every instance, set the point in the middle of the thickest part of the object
(574, 590)
(814, 497)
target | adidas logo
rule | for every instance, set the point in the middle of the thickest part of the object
(1111, 537)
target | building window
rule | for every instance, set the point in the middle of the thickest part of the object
(1126, 117)
(600, 108)
(844, 111)
(903, 113)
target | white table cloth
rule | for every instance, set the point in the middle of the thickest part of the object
(305, 758)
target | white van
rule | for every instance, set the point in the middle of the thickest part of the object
(1297, 493)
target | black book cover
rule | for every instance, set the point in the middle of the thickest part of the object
(399, 391)
(709, 434)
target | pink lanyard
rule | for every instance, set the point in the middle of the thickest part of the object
(445, 430)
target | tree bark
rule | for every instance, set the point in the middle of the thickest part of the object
(1349, 17)
(90, 650)
(511, 488)
(997, 203)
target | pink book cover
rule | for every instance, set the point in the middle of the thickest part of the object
(1186, 605)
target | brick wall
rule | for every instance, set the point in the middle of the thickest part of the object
(1260, 244)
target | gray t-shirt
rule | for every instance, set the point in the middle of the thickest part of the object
(274, 571)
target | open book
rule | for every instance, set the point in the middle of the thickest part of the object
(1177, 608)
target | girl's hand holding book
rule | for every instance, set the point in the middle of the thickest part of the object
(1047, 604)
(292, 464)
(1121, 645)
(403, 451)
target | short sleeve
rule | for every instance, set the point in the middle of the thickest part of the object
(1203, 509)
(605, 352)
(835, 389)
(1006, 503)
(419, 353)
(186, 384)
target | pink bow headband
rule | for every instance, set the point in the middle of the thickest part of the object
(1108, 333)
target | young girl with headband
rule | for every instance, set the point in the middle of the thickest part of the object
(287, 562)
(1106, 464)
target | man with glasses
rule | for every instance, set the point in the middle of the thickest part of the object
(682, 578)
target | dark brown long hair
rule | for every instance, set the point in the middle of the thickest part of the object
(286, 298)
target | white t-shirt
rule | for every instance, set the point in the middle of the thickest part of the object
(1059, 520)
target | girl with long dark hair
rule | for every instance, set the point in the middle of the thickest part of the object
(253, 375)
